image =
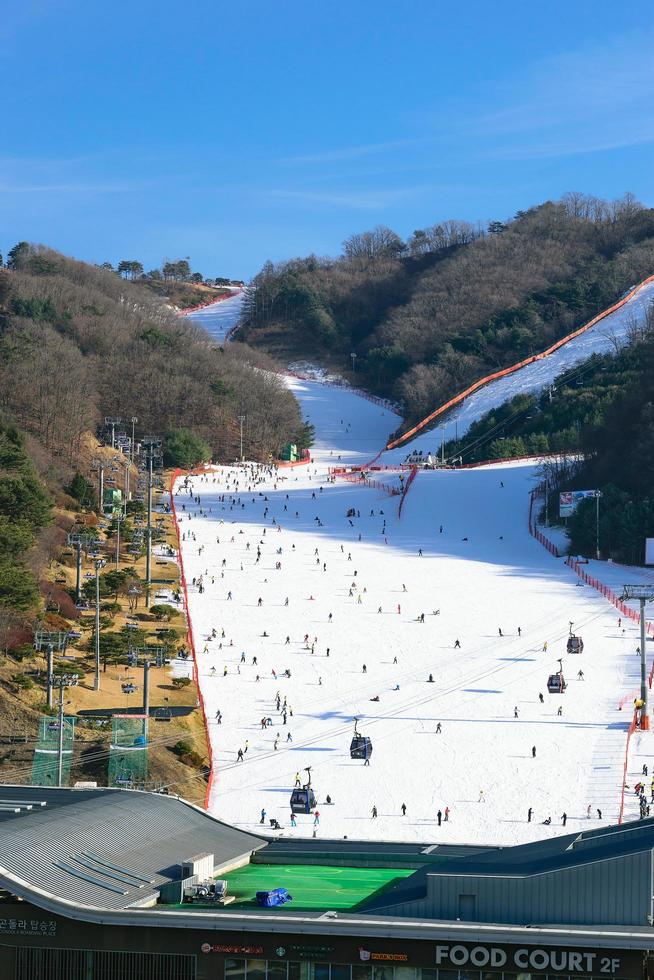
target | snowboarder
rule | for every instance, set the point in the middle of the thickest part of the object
(239, 755)
(533, 751)
(457, 645)
(564, 818)
(499, 630)
(529, 814)
(541, 698)
(438, 728)
(374, 813)
(482, 798)
(263, 816)
(580, 675)
(599, 814)
(515, 712)
(403, 809)
(439, 817)
(560, 711)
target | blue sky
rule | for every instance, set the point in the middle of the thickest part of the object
(236, 133)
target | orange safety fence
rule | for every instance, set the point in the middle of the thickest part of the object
(632, 728)
(177, 473)
(209, 302)
(457, 399)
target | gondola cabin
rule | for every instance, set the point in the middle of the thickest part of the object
(360, 747)
(575, 644)
(556, 684)
(303, 800)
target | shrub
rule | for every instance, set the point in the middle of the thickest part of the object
(181, 682)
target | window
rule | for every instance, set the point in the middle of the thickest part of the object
(234, 969)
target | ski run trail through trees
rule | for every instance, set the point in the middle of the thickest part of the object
(218, 319)
(279, 558)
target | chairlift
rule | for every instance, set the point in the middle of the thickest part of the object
(361, 745)
(303, 798)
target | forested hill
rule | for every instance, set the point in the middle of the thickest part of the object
(428, 316)
(78, 343)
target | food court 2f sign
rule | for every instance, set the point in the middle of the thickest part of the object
(537, 959)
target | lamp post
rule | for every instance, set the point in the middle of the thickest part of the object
(99, 563)
(241, 420)
(354, 357)
(643, 593)
(442, 428)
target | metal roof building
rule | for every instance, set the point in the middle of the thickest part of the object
(86, 879)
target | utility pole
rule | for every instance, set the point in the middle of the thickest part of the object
(62, 681)
(50, 641)
(241, 419)
(99, 563)
(643, 593)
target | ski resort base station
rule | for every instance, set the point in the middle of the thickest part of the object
(116, 884)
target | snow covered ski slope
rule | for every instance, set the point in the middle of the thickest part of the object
(325, 611)
(603, 338)
(219, 318)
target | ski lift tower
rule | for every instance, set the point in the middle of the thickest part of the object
(80, 542)
(643, 593)
(151, 455)
(50, 641)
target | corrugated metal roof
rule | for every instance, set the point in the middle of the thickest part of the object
(109, 848)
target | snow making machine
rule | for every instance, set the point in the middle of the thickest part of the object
(361, 745)
(303, 799)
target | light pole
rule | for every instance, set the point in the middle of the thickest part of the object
(442, 428)
(99, 563)
(62, 681)
(112, 423)
(354, 357)
(241, 420)
(598, 495)
(643, 593)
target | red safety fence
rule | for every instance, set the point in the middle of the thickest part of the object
(632, 728)
(407, 487)
(177, 473)
(457, 399)
(533, 530)
(284, 464)
(358, 478)
(209, 302)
